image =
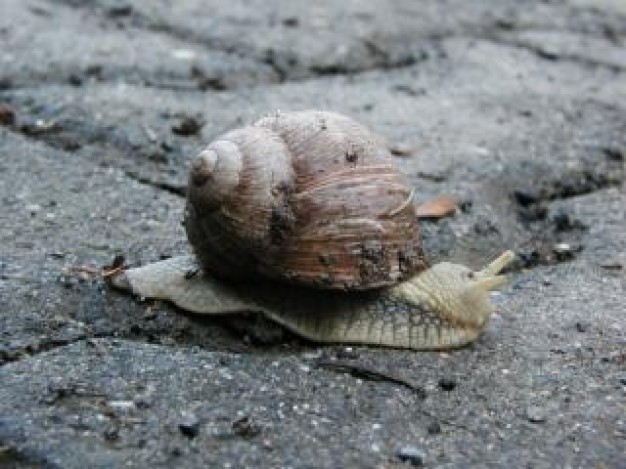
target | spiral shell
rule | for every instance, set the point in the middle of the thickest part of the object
(307, 197)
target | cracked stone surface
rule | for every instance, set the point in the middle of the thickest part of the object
(517, 108)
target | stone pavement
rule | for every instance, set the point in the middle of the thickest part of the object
(518, 108)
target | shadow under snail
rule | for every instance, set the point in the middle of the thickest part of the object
(303, 217)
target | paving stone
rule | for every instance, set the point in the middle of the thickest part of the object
(515, 108)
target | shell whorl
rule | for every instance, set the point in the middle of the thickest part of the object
(308, 197)
(235, 186)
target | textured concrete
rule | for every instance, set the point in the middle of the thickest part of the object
(518, 108)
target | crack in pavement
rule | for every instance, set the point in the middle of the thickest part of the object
(545, 54)
(281, 61)
(46, 344)
(176, 189)
(382, 59)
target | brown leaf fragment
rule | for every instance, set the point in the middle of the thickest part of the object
(7, 115)
(85, 272)
(439, 207)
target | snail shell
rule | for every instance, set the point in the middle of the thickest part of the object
(306, 197)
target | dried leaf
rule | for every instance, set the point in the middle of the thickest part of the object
(439, 207)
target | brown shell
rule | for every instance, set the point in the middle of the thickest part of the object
(307, 197)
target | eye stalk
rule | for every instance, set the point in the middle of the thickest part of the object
(488, 278)
(456, 293)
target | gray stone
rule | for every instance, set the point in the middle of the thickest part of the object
(536, 414)
(411, 454)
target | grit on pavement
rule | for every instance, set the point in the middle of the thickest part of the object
(516, 108)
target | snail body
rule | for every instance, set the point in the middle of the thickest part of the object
(309, 201)
(444, 306)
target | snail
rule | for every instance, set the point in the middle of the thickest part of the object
(303, 217)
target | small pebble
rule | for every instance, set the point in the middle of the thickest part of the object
(111, 434)
(412, 455)
(187, 126)
(246, 427)
(291, 22)
(614, 154)
(346, 353)
(189, 425)
(176, 451)
(562, 247)
(434, 428)
(582, 326)
(535, 414)
(525, 197)
(447, 383)
(75, 80)
(401, 149)
(564, 251)
(184, 54)
(563, 222)
(119, 10)
(465, 206)
(120, 408)
(528, 259)
(143, 402)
